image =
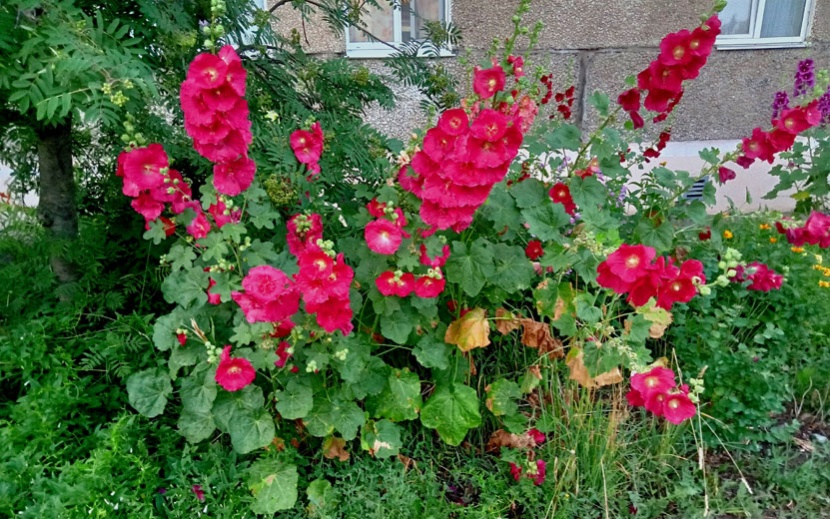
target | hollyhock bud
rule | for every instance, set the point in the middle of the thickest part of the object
(725, 174)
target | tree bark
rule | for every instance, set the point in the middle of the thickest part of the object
(56, 209)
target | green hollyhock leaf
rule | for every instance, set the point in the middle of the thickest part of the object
(319, 494)
(514, 271)
(199, 390)
(529, 193)
(328, 416)
(156, 232)
(432, 353)
(233, 232)
(164, 331)
(545, 220)
(565, 324)
(148, 391)
(372, 378)
(263, 215)
(382, 438)
(186, 288)
(228, 404)
(259, 253)
(384, 305)
(588, 192)
(398, 326)
(515, 423)
(567, 137)
(188, 355)
(274, 486)
(196, 425)
(427, 308)
(400, 399)
(661, 237)
(214, 247)
(181, 257)
(251, 430)
(471, 267)
(223, 286)
(296, 401)
(245, 333)
(501, 397)
(601, 102)
(500, 208)
(586, 311)
(452, 410)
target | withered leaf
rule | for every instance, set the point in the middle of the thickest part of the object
(506, 322)
(537, 335)
(502, 438)
(335, 447)
(469, 332)
(580, 373)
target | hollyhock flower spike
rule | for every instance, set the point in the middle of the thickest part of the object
(234, 374)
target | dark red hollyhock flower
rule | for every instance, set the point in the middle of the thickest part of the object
(534, 250)
(630, 100)
(561, 194)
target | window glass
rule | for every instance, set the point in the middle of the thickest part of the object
(379, 21)
(782, 18)
(735, 18)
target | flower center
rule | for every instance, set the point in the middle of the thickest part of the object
(234, 370)
(632, 262)
(651, 381)
(674, 404)
(678, 52)
(492, 83)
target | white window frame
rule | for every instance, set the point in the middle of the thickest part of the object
(753, 39)
(377, 49)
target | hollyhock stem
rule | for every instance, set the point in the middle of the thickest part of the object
(594, 135)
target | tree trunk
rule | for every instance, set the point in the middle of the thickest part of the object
(56, 209)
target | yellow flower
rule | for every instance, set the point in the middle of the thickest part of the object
(727, 234)
(797, 250)
(824, 284)
(773, 239)
(764, 227)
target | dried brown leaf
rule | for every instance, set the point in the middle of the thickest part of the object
(537, 335)
(580, 373)
(506, 322)
(469, 332)
(335, 447)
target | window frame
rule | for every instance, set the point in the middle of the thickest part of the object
(378, 49)
(753, 39)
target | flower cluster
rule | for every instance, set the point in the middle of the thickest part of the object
(761, 277)
(216, 118)
(270, 295)
(308, 147)
(780, 103)
(764, 145)
(805, 78)
(235, 373)
(654, 151)
(532, 469)
(149, 181)
(462, 159)
(323, 277)
(816, 231)
(657, 391)
(632, 269)
(682, 55)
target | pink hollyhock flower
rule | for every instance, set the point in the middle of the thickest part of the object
(383, 236)
(635, 399)
(221, 215)
(758, 146)
(207, 71)
(199, 227)
(214, 299)
(197, 489)
(744, 161)
(220, 99)
(561, 194)
(659, 100)
(534, 250)
(518, 65)
(654, 403)
(376, 209)
(780, 140)
(725, 174)
(437, 145)
(486, 82)
(630, 262)
(282, 354)
(490, 125)
(266, 283)
(307, 147)
(448, 194)
(427, 287)
(656, 276)
(677, 407)
(282, 329)
(233, 177)
(258, 311)
(526, 114)
(537, 435)
(630, 100)
(333, 314)
(147, 206)
(675, 49)
(485, 154)
(235, 73)
(680, 290)
(515, 471)
(817, 229)
(386, 283)
(234, 374)
(763, 278)
(196, 111)
(657, 380)
(794, 121)
(438, 261)
(231, 148)
(703, 38)
(457, 218)
(541, 472)
(453, 122)
(143, 169)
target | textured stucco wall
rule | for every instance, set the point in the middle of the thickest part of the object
(603, 41)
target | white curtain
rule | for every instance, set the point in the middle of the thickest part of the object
(735, 17)
(783, 18)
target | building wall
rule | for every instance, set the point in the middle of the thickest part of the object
(597, 43)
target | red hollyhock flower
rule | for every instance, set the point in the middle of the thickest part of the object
(234, 374)
(235, 74)
(793, 120)
(282, 354)
(758, 146)
(515, 471)
(675, 49)
(200, 494)
(376, 209)
(386, 283)
(233, 177)
(703, 38)
(438, 145)
(561, 194)
(817, 229)
(541, 472)
(537, 435)
(453, 122)
(207, 71)
(630, 100)
(333, 314)
(763, 278)
(383, 236)
(147, 206)
(705, 235)
(657, 380)
(214, 299)
(677, 407)
(518, 65)
(307, 147)
(534, 250)
(490, 125)
(199, 227)
(630, 262)
(725, 174)
(654, 403)
(635, 399)
(427, 287)
(486, 82)
(636, 119)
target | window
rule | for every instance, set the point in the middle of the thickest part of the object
(394, 25)
(764, 23)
